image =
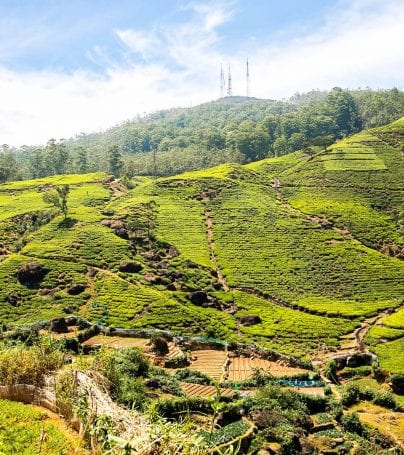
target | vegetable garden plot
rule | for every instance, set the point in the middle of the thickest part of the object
(242, 368)
(209, 362)
(197, 390)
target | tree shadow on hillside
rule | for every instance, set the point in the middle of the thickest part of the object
(67, 223)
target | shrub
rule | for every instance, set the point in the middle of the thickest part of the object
(351, 423)
(132, 393)
(361, 371)
(29, 365)
(167, 383)
(159, 345)
(226, 433)
(397, 383)
(350, 395)
(175, 407)
(331, 371)
(177, 362)
(385, 399)
(123, 369)
(315, 403)
(193, 376)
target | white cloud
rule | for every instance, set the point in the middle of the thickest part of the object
(142, 42)
(359, 45)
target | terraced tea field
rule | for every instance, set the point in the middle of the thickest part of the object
(386, 339)
(308, 245)
(118, 342)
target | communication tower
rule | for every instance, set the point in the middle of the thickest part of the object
(248, 80)
(229, 88)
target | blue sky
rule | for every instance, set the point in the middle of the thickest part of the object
(72, 66)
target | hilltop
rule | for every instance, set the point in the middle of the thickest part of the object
(230, 129)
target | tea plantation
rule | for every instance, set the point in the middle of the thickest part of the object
(310, 243)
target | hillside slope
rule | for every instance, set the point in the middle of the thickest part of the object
(310, 243)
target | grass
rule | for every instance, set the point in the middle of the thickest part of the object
(27, 430)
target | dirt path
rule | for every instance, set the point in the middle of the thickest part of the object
(209, 230)
(361, 332)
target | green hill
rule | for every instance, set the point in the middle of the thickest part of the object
(230, 129)
(311, 243)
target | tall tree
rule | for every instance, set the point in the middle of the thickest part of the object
(8, 164)
(341, 105)
(81, 160)
(58, 198)
(115, 161)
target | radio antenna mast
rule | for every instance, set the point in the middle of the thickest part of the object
(229, 88)
(248, 80)
(222, 82)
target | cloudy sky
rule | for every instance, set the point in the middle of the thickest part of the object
(83, 65)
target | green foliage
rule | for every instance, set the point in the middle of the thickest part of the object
(58, 198)
(29, 365)
(323, 141)
(177, 408)
(125, 370)
(8, 164)
(232, 129)
(350, 395)
(330, 371)
(115, 161)
(159, 345)
(351, 423)
(361, 371)
(226, 433)
(193, 376)
(354, 392)
(27, 430)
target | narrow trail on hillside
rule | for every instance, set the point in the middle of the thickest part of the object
(209, 232)
(361, 332)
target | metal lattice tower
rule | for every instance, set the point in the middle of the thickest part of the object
(222, 82)
(229, 88)
(248, 80)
